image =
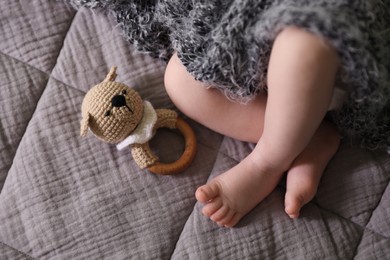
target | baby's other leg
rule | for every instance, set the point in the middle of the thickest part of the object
(301, 77)
(305, 173)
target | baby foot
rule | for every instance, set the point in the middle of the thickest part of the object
(306, 171)
(233, 194)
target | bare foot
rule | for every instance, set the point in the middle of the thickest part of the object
(231, 195)
(306, 171)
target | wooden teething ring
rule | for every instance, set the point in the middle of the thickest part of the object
(185, 159)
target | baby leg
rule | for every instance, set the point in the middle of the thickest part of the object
(211, 108)
(244, 122)
(305, 173)
(301, 77)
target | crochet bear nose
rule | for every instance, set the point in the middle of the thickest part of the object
(118, 101)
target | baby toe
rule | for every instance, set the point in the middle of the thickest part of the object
(293, 205)
(227, 218)
(220, 214)
(211, 207)
(207, 192)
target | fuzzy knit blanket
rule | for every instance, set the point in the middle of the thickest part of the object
(227, 44)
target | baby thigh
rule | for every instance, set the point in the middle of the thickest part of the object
(211, 108)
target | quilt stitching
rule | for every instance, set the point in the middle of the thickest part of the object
(43, 90)
(18, 251)
(24, 64)
(49, 75)
(371, 214)
(355, 252)
(217, 150)
(36, 105)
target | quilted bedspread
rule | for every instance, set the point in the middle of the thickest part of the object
(67, 197)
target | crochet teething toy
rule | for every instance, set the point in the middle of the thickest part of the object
(116, 113)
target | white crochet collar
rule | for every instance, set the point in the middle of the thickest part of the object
(144, 131)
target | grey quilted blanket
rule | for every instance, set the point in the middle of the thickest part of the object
(66, 197)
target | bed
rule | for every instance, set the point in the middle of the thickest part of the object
(67, 197)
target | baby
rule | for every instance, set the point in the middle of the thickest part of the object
(287, 125)
(285, 56)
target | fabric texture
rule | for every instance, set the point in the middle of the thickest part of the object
(67, 197)
(227, 45)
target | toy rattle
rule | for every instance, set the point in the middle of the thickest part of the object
(116, 114)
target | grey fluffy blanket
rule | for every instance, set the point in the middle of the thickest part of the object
(227, 44)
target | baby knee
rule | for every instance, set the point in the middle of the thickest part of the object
(175, 78)
(181, 86)
(170, 82)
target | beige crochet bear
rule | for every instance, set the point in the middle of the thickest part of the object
(116, 114)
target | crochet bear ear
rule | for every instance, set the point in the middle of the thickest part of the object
(84, 125)
(111, 76)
